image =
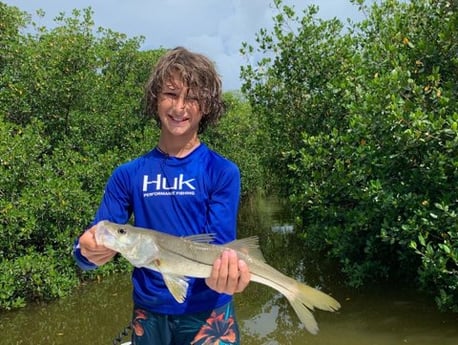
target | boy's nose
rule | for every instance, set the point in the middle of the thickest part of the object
(180, 102)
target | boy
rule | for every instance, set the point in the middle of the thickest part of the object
(183, 188)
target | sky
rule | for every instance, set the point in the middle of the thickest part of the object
(215, 28)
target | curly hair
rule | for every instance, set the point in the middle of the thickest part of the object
(197, 73)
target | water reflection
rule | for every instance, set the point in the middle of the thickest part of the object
(93, 315)
(382, 316)
(97, 312)
(282, 229)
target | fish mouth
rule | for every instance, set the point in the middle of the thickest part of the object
(103, 236)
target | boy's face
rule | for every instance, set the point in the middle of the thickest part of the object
(178, 109)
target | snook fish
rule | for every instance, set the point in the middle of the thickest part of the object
(179, 257)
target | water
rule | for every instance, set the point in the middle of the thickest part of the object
(97, 312)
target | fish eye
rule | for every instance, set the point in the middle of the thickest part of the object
(122, 231)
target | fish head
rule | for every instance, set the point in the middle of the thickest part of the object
(118, 237)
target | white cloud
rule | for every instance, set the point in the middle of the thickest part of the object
(212, 27)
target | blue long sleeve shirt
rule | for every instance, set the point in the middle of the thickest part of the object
(180, 196)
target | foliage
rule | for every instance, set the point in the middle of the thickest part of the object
(70, 101)
(235, 137)
(71, 110)
(361, 130)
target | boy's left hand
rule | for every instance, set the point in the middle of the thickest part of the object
(229, 274)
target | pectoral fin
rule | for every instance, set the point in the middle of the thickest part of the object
(177, 285)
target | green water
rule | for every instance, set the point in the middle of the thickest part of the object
(97, 312)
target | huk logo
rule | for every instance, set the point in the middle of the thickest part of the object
(162, 186)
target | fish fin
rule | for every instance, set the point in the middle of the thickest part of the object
(201, 238)
(248, 246)
(308, 298)
(303, 298)
(177, 285)
(305, 315)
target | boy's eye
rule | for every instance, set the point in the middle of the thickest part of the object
(170, 94)
(174, 96)
(191, 99)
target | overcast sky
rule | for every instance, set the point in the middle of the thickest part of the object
(215, 28)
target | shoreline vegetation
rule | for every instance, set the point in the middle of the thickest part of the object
(355, 126)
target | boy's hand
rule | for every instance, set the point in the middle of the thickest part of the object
(229, 274)
(97, 254)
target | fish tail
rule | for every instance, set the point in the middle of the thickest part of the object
(304, 299)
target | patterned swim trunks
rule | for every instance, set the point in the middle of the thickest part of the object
(218, 326)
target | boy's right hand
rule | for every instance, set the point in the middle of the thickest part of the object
(97, 254)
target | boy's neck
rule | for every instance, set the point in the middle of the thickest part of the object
(178, 147)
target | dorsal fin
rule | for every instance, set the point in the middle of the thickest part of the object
(248, 246)
(201, 238)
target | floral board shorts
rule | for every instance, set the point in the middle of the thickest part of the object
(218, 327)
